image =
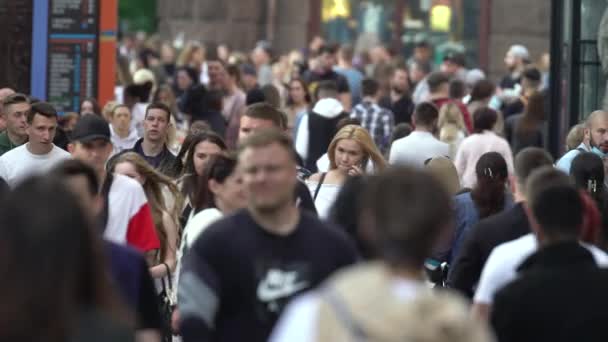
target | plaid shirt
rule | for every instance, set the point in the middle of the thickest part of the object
(378, 121)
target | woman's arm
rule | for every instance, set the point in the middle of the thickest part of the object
(170, 225)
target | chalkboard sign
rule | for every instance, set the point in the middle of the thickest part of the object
(73, 31)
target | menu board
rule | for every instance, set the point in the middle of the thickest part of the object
(72, 52)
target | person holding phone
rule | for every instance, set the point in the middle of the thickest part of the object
(349, 153)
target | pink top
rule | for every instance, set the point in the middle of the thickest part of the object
(472, 148)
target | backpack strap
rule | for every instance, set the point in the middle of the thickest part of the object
(581, 150)
(314, 197)
(343, 314)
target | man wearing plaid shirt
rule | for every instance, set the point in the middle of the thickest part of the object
(378, 121)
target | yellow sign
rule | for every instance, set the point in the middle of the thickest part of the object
(441, 18)
(333, 9)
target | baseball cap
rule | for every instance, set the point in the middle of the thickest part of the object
(455, 57)
(519, 51)
(89, 128)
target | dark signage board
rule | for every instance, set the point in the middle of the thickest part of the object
(72, 60)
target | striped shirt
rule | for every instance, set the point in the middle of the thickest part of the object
(378, 121)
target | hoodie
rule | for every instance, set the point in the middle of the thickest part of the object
(121, 144)
(317, 129)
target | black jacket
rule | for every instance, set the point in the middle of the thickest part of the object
(560, 295)
(164, 163)
(485, 235)
(322, 127)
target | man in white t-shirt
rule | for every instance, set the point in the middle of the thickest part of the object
(39, 154)
(421, 144)
(126, 217)
(501, 267)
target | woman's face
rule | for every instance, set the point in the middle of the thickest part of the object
(128, 169)
(86, 108)
(297, 92)
(183, 80)
(232, 192)
(164, 97)
(348, 154)
(202, 152)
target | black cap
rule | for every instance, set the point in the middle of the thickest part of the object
(89, 128)
(456, 58)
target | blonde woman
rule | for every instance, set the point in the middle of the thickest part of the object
(165, 217)
(349, 153)
(451, 127)
(193, 56)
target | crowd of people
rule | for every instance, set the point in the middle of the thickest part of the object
(321, 195)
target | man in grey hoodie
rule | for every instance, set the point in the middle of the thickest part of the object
(318, 127)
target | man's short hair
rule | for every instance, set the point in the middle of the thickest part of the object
(527, 161)
(426, 114)
(436, 79)
(329, 88)
(266, 137)
(75, 167)
(398, 205)
(15, 99)
(265, 111)
(484, 119)
(327, 48)
(532, 74)
(556, 204)
(369, 87)
(161, 106)
(41, 108)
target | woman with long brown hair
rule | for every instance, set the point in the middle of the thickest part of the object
(528, 129)
(349, 153)
(165, 217)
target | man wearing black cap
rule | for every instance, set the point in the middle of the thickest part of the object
(39, 154)
(454, 66)
(126, 216)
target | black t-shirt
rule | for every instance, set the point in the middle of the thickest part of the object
(402, 108)
(312, 79)
(237, 278)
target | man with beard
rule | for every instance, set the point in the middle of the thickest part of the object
(399, 101)
(595, 140)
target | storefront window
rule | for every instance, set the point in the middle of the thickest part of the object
(449, 25)
(592, 78)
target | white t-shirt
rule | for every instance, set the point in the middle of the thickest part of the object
(325, 198)
(501, 267)
(195, 226)
(19, 163)
(416, 148)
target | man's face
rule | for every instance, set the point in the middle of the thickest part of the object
(217, 75)
(422, 53)
(251, 125)
(156, 125)
(400, 82)
(449, 67)
(599, 133)
(41, 131)
(510, 61)
(269, 176)
(326, 61)
(15, 117)
(94, 153)
(122, 118)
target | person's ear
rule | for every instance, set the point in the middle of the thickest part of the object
(71, 148)
(534, 226)
(214, 186)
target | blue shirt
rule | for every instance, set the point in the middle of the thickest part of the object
(354, 78)
(565, 163)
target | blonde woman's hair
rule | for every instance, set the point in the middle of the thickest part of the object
(451, 114)
(575, 137)
(108, 110)
(361, 136)
(185, 57)
(154, 183)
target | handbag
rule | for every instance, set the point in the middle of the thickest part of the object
(165, 303)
